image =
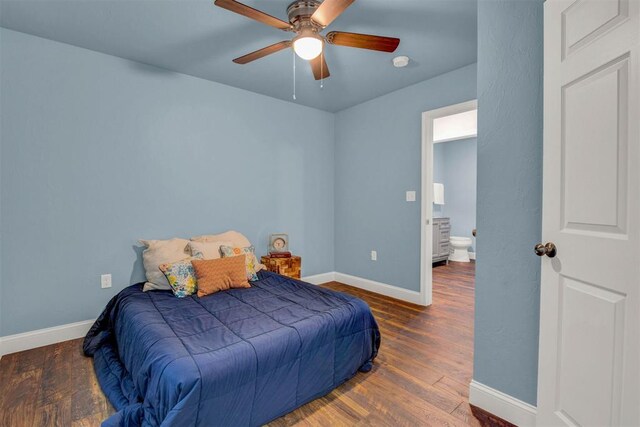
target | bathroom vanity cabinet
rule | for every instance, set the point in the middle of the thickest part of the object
(441, 233)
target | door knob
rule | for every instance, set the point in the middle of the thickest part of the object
(549, 249)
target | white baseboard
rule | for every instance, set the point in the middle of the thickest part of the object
(319, 279)
(502, 405)
(380, 288)
(366, 284)
(41, 337)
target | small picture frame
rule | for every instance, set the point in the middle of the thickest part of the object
(278, 243)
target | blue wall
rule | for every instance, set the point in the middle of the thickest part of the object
(378, 155)
(1, 231)
(98, 152)
(509, 195)
(454, 165)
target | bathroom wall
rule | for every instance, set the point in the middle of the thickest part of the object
(98, 152)
(455, 166)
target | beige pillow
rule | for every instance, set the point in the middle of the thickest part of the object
(161, 252)
(209, 250)
(235, 238)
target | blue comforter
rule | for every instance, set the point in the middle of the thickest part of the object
(236, 358)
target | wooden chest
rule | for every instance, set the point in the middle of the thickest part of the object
(290, 267)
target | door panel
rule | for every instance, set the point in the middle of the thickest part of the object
(587, 19)
(589, 300)
(594, 144)
(590, 344)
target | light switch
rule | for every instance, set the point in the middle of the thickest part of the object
(411, 196)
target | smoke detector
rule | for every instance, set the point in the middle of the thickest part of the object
(400, 61)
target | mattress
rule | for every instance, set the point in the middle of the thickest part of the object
(240, 357)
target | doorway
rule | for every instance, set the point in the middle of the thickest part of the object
(455, 125)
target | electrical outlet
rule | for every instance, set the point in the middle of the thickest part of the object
(411, 196)
(374, 255)
(105, 281)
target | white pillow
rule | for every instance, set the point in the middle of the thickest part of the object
(161, 252)
(237, 239)
(209, 250)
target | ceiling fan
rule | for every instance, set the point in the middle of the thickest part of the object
(308, 18)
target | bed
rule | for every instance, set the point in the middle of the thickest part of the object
(241, 357)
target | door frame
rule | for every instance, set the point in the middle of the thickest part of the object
(426, 216)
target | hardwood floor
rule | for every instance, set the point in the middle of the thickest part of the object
(421, 375)
(51, 386)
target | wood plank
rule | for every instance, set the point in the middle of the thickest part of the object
(90, 421)
(28, 360)
(7, 372)
(57, 374)
(453, 386)
(463, 413)
(487, 419)
(439, 398)
(87, 399)
(20, 401)
(57, 414)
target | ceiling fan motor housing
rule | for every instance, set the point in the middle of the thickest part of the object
(307, 19)
(300, 12)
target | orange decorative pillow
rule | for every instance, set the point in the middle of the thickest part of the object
(251, 261)
(220, 274)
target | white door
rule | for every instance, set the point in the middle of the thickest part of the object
(590, 309)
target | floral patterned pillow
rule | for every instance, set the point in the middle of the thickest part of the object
(252, 264)
(181, 276)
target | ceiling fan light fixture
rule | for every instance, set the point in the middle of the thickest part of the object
(308, 45)
(307, 18)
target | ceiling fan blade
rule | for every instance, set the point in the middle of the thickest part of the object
(329, 10)
(363, 41)
(261, 53)
(252, 13)
(319, 67)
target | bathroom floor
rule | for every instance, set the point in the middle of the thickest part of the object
(454, 273)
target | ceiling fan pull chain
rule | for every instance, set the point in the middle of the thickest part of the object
(294, 74)
(322, 70)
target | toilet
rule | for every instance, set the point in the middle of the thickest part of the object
(460, 246)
